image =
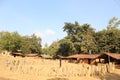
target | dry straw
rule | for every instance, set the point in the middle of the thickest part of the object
(51, 67)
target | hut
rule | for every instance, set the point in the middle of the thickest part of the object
(32, 55)
(45, 56)
(25, 55)
(83, 58)
(73, 58)
(95, 58)
(17, 54)
(110, 57)
(60, 57)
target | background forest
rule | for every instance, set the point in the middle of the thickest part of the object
(81, 38)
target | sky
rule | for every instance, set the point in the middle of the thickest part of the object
(46, 18)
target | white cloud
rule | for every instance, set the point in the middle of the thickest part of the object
(49, 32)
(45, 35)
(39, 34)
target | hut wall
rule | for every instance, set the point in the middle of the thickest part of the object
(72, 60)
(92, 61)
(85, 61)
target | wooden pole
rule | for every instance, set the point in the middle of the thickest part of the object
(60, 62)
(109, 59)
(99, 60)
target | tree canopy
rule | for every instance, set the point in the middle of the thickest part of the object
(81, 36)
(14, 41)
(80, 39)
(84, 39)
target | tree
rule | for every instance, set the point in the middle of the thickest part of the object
(108, 40)
(82, 37)
(45, 49)
(88, 42)
(35, 44)
(113, 23)
(53, 48)
(71, 28)
(66, 47)
(10, 41)
(31, 44)
(14, 41)
(25, 45)
(5, 41)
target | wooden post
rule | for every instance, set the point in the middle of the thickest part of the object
(89, 61)
(99, 60)
(60, 62)
(109, 59)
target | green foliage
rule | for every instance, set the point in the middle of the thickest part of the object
(10, 41)
(5, 40)
(113, 23)
(81, 37)
(45, 50)
(14, 42)
(52, 49)
(109, 40)
(66, 47)
(31, 44)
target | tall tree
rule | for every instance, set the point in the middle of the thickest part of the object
(6, 42)
(66, 47)
(10, 41)
(53, 48)
(108, 40)
(31, 44)
(82, 37)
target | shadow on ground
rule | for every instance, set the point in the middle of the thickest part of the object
(110, 76)
(58, 79)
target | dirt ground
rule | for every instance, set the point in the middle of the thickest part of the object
(45, 74)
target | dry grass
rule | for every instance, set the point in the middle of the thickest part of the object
(40, 69)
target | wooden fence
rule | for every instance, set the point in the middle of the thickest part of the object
(40, 67)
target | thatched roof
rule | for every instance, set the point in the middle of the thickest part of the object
(94, 56)
(84, 56)
(17, 54)
(32, 55)
(62, 57)
(113, 55)
(26, 55)
(46, 56)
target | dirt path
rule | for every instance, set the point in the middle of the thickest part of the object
(111, 76)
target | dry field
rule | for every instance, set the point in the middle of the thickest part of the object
(41, 69)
